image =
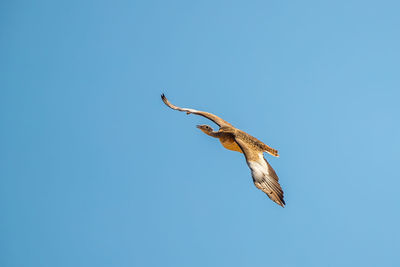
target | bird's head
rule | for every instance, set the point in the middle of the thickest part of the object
(205, 128)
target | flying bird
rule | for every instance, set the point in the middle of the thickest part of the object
(264, 177)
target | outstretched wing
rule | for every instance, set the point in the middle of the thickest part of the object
(207, 115)
(264, 177)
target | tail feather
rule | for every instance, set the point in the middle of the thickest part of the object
(271, 151)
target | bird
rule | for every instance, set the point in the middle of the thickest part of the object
(232, 138)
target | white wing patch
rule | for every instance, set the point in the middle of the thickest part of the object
(259, 169)
(265, 178)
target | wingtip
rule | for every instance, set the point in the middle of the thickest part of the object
(164, 99)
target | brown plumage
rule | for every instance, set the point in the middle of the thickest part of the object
(264, 177)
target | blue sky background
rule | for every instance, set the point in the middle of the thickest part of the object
(96, 171)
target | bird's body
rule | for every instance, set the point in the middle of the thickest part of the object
(228, 142)
(264, 177)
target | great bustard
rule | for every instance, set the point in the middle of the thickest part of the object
(264, 177)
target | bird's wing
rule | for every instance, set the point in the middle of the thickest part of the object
(264, 177)
(207, 115)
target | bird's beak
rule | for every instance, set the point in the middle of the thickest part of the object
(198, 126)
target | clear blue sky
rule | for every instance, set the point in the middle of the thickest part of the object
(96, 171)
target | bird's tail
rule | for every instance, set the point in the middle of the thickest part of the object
(271, 151)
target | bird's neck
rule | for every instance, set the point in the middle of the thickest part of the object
(213, 134)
